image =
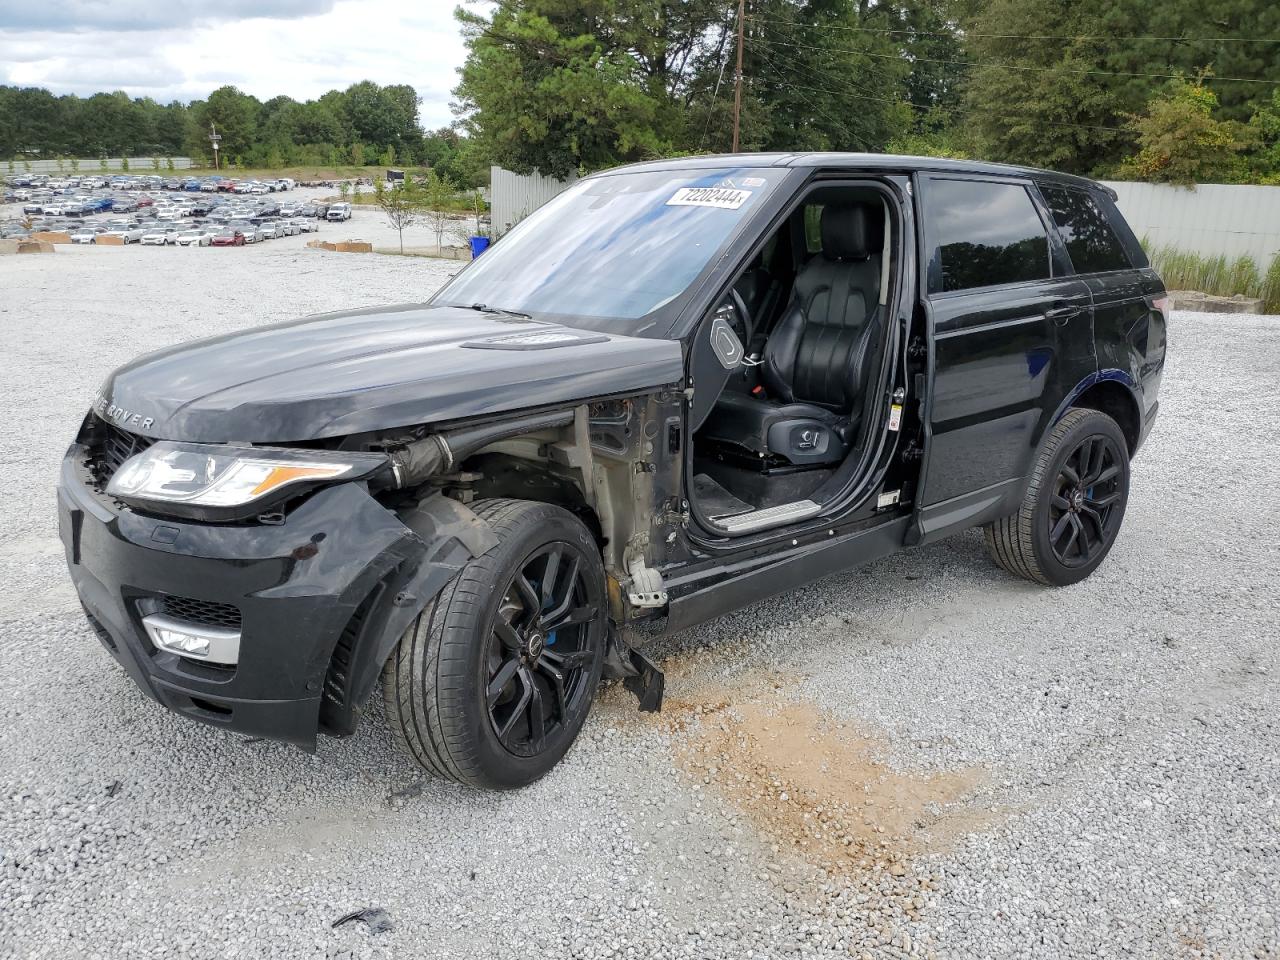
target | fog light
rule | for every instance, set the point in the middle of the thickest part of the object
(214, 644)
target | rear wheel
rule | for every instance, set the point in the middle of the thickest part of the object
(1073, 506)
(491, 684)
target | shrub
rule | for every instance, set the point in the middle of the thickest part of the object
(1187, 270)
(1271, 286)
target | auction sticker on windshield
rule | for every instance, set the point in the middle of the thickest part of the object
(722, 197)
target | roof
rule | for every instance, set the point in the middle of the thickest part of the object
(868, 162)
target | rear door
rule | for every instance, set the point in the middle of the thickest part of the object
(1129, 331)
(1011, 331)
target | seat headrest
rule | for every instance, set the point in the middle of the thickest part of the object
(851, 231)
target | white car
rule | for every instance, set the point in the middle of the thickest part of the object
(252, 233)
(339, 211)
(260, 188)
(199, 237)
(159, 236)
(305, 224)
(86, 234)
(270, 230)
(130, 232)
(290, 228)
(54, 208)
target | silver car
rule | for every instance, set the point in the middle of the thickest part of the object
(129, 232)
(86, 234)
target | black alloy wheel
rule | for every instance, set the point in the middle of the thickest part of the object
(1083, 514)
(540, 652)
(1073, 504)
(493, 680)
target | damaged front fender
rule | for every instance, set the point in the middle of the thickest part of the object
(448, 535)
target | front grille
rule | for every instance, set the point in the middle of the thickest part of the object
(210, 613)
(109, 447)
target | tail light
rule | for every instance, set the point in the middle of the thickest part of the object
(1162, 304)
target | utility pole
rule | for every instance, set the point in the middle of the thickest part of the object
(737, 78)
(214, 137)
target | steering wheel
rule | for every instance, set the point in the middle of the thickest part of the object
(748, 322)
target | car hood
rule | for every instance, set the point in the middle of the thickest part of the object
(353, 371)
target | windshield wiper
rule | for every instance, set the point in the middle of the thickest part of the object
(485, 308)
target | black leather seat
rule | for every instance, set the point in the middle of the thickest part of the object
(817, 361)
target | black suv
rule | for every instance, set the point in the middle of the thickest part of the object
(675, 389)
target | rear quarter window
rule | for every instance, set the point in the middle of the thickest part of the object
(983, 234)
(1091, 242)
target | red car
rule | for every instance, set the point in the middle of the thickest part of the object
(228, 238)
(145, 201)
(226, 186)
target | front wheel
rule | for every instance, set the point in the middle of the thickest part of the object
(1073, 506)
(492, 682)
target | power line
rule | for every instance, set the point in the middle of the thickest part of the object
(984, 64)
(1021, 36)
(859, 132)
(930, 107)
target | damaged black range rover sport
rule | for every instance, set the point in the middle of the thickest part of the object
(675, 389)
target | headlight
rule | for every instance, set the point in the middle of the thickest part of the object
(219, 482)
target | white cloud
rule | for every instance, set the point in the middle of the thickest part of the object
(301, 48)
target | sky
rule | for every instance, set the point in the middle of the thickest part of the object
(184, 49)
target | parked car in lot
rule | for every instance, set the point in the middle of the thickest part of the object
(753, 371)
(251, 231)
(87, 233)
(305, 225)
(195, 237)
(129, 232)
(160, 235)
(338, 211)
(228, 238)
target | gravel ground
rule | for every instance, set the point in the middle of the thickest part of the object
(923, 758)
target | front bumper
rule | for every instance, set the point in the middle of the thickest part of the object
(296, 585)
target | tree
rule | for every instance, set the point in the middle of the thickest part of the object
(542, 91)
(168, 164)
(235, 114)
(402, 205)
(1180, 140)
(438, 195)
(1033, 97)
(124, 164)
(344, 189)
(1265, 128)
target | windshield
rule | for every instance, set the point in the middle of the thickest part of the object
(611, 251)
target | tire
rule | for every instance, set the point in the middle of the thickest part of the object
(478, 668)
(1064, 529)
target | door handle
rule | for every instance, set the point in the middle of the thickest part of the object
(1061, 314)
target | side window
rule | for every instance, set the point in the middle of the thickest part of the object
(1091, 243)
(813, 227)
(984, 234)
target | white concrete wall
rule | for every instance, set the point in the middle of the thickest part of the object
(514, 196)
(136, 165)
(1212, 219)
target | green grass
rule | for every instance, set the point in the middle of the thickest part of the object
(1218, 276)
